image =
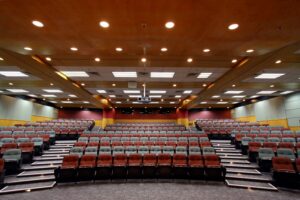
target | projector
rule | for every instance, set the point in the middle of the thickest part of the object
(144, 99)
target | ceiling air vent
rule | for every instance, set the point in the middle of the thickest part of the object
(178, 91)
(143, 74)
(94, 73)
(191, 74)
(110, 91)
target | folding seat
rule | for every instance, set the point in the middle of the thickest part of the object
(86, 169)
(80, 144)
(287, 145)
(94, 139)
(126, 143)
(171, 143)
(155, 150)
(104, 144)
(244, 144)
(253, 150)
(274, 139)
(130, 150)
(91, 150)
(164, 165)
(7, 146)
(181, 150)
(265, 156)
(83, 139)
(13, 160)
(124, 139)
(2, 172)
(77, 151)
(68, 169)
(196, 166)
(180, 167)
(116, 143)
(160, 143)
(297, 163)
(142, 150)
(38, 145)
(120, 166)
(283, 171)
(105, 139)
(104, 166)
(134, 139)
(144, 139)
(93, 144)
(213, 168)
(286, 152)
(27, 151)
(208, 151)
(271, 145)
(118, 150)
(194, 150)
(172, 139)
(205, 144)
(182, 139)
(193, 139)
(289, 140)
(22, 140)
(168, 150)
(135, 166)
(153, 139)
(163, 139)
(6, 140)
(261, 140)
(194, 144)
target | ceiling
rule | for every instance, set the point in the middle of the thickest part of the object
(268, 27)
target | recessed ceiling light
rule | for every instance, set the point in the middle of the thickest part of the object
(158, 91)
(154, 102)
(112, 96)
(206, 50)
(187, 91)
(233, 85)
(101, 91)
(44, 99)
(277, 61)
(74, 49)
(114, 85)
(37, 23)
(53, 90)
(203, 102)
(216, 96)
(72, 95)
(271, 86)
(131, 91)
(286, 92)
(266, 92)
(119, 49)
(233, 26)
(222, 102)
(53, 101)
(162, 100)
(10, 84)
(235, 102)
(75, 73)
(97, 59)
(143, 60)
(118, 102)
(51, 84)
(1, 59)
(189, 60)
(177, 96)
(32, 95)
(17, 90)
(269, 75)
(169, 25)
(134, 96)
(234, 60)
(204, 75)
(155, 96)
(204, 84)
(136, 102)
(174, 85)
(254, 96)
(250, 51)
(162, 74)
(28, 48)
(82, 84)
(172, 102)
(13, 74)
(164, 49)
(104, 24)
(234, 92)
(238, 96)
(124, 74)
(48, 59)
(49, 95)
(66, 102)
(85, 102)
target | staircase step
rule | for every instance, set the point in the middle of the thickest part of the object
(28, 179)
(55, 152)
(41, 167)
(55, 155)
(227, 150)
(27, 187)
(46, 162)
(251, 185)
(248, 177)
(223, 145)
(224, 148)
(234, 157)
(40, 158)
(228, 154)
(220, 141)
(60, 147)
(242, 171)
(235, 161)
(244, 166)
(65, 141)
(36, 173)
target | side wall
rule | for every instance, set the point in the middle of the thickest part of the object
(19, 111)
(284, 111)
(81, 114)
(195, 114)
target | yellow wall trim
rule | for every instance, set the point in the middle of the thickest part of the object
(35, 118)
(246, 119)
(11, 122)
(145, 120)
(295, 128)
(276, 122)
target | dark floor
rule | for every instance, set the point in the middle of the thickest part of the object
(151, 191)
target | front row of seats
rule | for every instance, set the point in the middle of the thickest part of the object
(91, 167)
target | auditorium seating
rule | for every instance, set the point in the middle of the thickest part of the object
(283, 171)
(68, 169)
(2, 171)
(13, 160)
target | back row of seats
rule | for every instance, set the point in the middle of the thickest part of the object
(136, 166)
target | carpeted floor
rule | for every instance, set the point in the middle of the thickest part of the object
(151, 191)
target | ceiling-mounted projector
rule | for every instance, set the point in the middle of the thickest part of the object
(144, 99)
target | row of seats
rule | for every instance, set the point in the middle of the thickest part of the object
(101, 132)
(285, 172)
(80, 150)
(90, 167)
(13, 160)
(39, 144)
(2, 172)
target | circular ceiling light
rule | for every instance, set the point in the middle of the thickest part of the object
(233, 26)
(169, 25)
(104, 24)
